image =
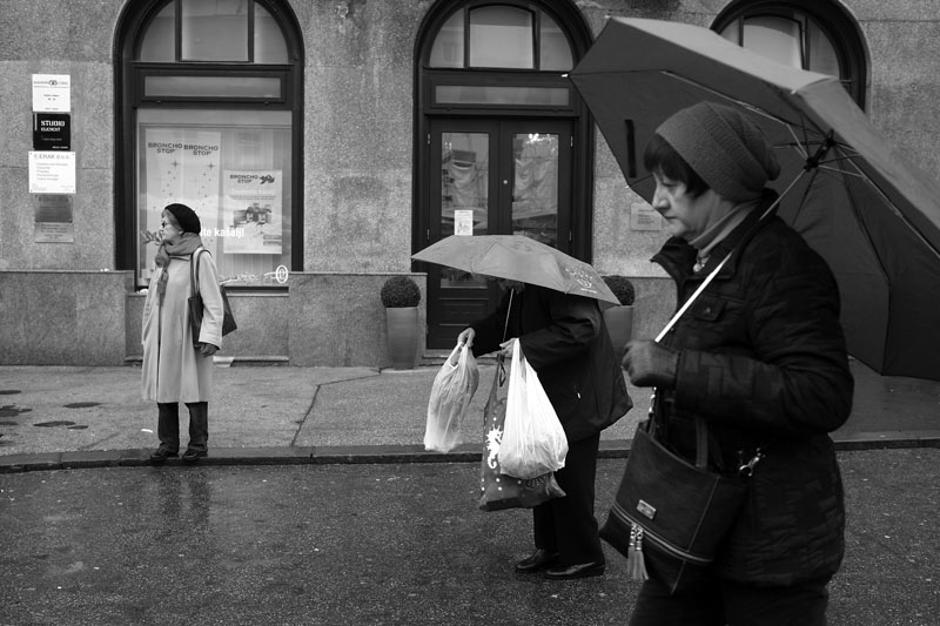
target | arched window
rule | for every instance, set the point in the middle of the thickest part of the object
(501, 36)
(209, 109)
(503, 144)
(813, 35)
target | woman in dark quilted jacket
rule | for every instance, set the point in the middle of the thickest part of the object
(760, 356)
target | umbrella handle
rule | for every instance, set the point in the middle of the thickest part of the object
(508, 311)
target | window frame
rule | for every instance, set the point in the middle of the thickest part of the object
(838, 26)
(130, 75)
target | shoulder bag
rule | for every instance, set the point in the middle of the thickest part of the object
(196, 305)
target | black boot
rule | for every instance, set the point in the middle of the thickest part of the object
(168, 431)
(198, 432)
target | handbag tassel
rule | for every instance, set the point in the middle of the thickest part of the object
(636, 564)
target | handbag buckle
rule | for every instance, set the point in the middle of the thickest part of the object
(646, 509)
(746, 470)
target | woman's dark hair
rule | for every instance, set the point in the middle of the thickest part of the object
(661, 157)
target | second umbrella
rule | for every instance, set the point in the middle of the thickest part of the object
(515, 257)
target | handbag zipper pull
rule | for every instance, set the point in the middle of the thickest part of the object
(636, 564)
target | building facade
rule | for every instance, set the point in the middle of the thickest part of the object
(323, 143)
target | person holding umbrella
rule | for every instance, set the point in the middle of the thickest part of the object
(760, 356)
(564, 338)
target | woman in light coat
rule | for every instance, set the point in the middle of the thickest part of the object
(175, 368)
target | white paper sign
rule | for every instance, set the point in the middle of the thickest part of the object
(52, 93)
(51, 172)
(463, 222)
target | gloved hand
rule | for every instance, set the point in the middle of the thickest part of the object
(650, 365)
(207, 349)
(466, 337)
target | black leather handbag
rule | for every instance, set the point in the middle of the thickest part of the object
(196, 306)
(669, 514)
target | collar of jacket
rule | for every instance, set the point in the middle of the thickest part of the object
(677, 256)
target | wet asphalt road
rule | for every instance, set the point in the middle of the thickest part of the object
(381, 544)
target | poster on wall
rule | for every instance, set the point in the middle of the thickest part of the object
(252, 210)
(182, 165)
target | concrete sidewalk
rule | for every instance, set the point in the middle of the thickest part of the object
(56, 417)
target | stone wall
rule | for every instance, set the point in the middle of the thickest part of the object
(63, 317)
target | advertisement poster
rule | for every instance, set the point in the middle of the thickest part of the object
(182, 165)
(252, 206)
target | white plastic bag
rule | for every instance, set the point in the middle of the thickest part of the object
(451, 393)
(534, 441)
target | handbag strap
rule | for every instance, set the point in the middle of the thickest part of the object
(701, 433)
(194, 270)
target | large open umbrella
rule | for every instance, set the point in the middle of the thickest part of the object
(519, 258)
(872, 215)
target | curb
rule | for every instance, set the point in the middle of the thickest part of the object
(380, 454)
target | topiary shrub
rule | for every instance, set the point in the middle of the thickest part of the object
(399, 292)
(622, 288)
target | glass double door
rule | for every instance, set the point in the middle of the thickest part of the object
(491, 177)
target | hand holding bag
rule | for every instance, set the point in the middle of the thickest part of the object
(451, 392)
(534, 442)
(497, 490)
(196, 306)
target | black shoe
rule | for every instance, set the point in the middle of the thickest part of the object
(192, 456)
(160, 455)
(538, 560)
(579, 570)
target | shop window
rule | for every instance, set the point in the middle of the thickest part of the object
(212, 94)
(816, 36)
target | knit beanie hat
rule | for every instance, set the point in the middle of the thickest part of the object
(185, 217)
(725, 148)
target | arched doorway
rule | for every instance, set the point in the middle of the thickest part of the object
(503, 143)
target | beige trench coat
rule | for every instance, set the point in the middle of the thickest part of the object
(172, 370)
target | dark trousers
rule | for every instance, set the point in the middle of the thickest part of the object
(567, 525)
(168, 425)
(717, 603)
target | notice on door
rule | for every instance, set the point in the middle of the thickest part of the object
(463, 222)
(51, 172)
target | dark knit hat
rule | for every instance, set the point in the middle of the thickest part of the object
(185, 217)
(724, 147)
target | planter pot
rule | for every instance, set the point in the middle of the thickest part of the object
(619, 321)
(402, 330)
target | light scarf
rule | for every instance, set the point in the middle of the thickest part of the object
(187, 244)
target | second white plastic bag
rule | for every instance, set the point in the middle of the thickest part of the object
(534, 441)
(451, 393)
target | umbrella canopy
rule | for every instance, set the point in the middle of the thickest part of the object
(872, 215)
(520, 258)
